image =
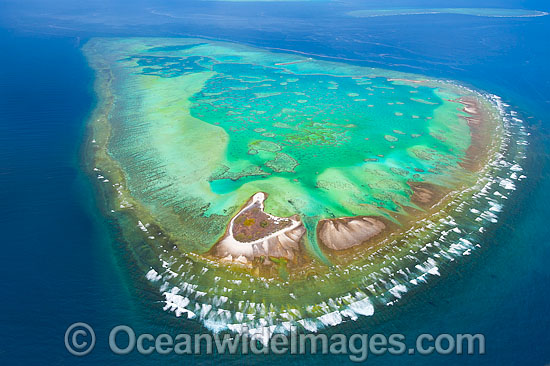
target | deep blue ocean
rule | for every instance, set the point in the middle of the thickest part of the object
(63, 262)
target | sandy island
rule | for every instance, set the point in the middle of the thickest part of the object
(253, 233)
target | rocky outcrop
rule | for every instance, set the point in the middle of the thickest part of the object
(348, 232)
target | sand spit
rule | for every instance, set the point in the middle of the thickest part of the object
(344, 233)
(275, 242)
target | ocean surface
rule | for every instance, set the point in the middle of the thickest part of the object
(63, 262)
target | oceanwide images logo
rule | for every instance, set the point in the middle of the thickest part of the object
(80, 340)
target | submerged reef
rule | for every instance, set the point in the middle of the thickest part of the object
(239, 177)
(478, 12)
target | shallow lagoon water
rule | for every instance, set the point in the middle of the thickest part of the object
(313, 148)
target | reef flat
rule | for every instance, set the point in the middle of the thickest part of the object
(478, 12)
(238, 176)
